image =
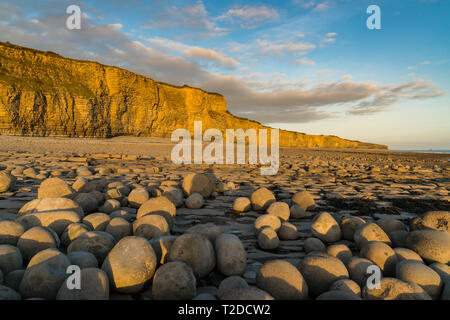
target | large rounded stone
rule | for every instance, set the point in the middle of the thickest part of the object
(230, 284)
(7, 181)
(297, 212)
(326, 228)
(313, 244)
(56, 213)
(151, 226)
(395, 289)
(175, 195)
(195, 201)
(110, 206)
(98, 243)
(391, 225)
(418, 273)
(230, 255)
(137, 197)
(10, 259)
(87, 201)
(94, 285)
(338, 295)
(195, 250)
(382, 255)
(208, 230)
(72, 232)
(10, 232)
(407, 254)
(242, 204)
(346, 285)
(119, 228)
(174, 281)
(261, 199)
(197, 182)
(370, 232)
(435, 220)
(398, 238)
(130, 265)
(431, 245)
(357, 269)
(442, 269)
(251, 293)
(161, 206)
(83, 259)
(54, 188)
(321, 271)
(96, 221)
(44, 275)
(14, 278)
(288, 231)
(279, 209)
(34, 240)
(8, 294)
(268, 239)
(161, 246)
(282, 280)
(340, 251)
(267, 220)
(349, 225)
(304, 199)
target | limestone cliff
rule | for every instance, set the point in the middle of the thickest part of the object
(42, 93)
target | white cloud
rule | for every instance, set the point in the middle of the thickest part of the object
(426, 62)
(250, 16)
(305, 61)
(321, 6)
(331, 34)
(346, 77)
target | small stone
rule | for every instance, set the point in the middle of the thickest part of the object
(242, 204)
(297, 212)
(87, 202)
(304, 199)
(321, 271)
(110, 205)
(208, 230)
(195, 250)
(197, 182)
(83, 259)
(7, 181)
(358, 270)
(10, 232)
(326, 228)
(230, 284)
(395, 289)
(338, 295)
(349, 225)
(418, 273)
(130, 265)
(175, 195)
(431, 245)
(44, 275)
(279, 209)
(407, 254)
(382, 255)
(35, 240)
(195, 201)
(13, 279)
(97, 221)
(267, 220)
(174, 281)
(370, 232)
(55, 188)
(268, 239)
(10, 259)
(230, 255)
(282, 280)
(288, 231)
(119, 228)
(340, 251)
(137, 197)
(250, 293)
(98, 243)
(150, 226)
(261, 199)
(94, 285)
(73, 231)
(314, 244)
(346, 285)
(8, 294)
(435, 220)
(161, 206)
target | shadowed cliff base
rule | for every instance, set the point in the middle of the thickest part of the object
(45, 94)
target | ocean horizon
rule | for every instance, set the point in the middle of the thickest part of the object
(425, 151)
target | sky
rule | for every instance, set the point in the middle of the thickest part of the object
(310, 66)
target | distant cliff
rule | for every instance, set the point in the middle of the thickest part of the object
(44, 94)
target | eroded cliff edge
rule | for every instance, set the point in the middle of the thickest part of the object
(44, 94)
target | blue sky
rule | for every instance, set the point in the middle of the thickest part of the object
(305, 65)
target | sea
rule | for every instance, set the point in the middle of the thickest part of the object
(426, 151)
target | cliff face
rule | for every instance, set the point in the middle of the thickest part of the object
(42, 93)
